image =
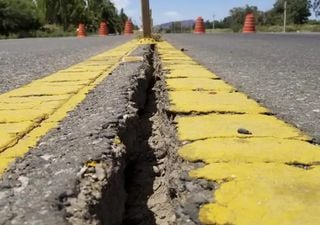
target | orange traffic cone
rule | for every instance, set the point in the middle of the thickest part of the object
(128, 28)
(81, 30)
(199, 28)
(249, 24)
(103, 29)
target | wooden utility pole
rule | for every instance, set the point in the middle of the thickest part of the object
(285, 17)
(213, 17)
(146, 18)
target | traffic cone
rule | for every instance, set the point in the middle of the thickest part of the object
(199, 28)
(249, 24)
(128, 28)
(81, 31)
(103, 29)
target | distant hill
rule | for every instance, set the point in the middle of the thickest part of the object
(184, 23)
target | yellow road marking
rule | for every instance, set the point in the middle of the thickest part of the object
(200, 84)
(249, 150)
(180, 72)
(269, 177)
(227, 125)
(203, 102)
(29, 112)
(262, 193)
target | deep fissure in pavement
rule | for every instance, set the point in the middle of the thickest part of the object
(146, 173)
(160, 191)
(139, 173)
(130, 184)
(139, 179)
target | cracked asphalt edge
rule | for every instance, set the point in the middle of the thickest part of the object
(48, 174)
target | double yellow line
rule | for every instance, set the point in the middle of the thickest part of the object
(29, 112)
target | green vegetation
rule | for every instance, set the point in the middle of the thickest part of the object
(21, 18)
(291, 28)
(316, 7)
(298, 13)
(18, 16)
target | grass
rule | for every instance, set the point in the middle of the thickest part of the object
(45, 31)
(219, 30)
(291, 28)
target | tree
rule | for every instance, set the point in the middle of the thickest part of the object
(18, 16)
(298, 12)
(237, 16)
(109, 13)
(316, 7)
(62, 12)
(71, 12)
(26, 15)
(123, 18)
(208, 24)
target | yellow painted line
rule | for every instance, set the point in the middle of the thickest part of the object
(203, 102)
(198, 84)
(262, 193)
(270, 176)
(29, 112)
(180, 72)
(227, 125)
(249, 150)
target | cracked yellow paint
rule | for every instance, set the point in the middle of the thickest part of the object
(147, 41)
(204, 102)
(10, 133)
(44, 91)
(16, 116)
(215, 126)
(71, 76)
(179, 63)
(89, 68)
(250, 150)
(185, 67)
(29, 112)
(91, 164)
(258, 175)
(261, 193)
(200, 84)
(190, 73)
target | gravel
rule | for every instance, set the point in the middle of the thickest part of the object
(281, 71)
(24, 60)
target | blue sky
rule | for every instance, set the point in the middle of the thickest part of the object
(169, 10)
(173, 10)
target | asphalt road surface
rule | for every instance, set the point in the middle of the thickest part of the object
(280, 71)
(24, 60)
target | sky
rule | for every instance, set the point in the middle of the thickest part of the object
(172, 10)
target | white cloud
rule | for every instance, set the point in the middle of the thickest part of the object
(173, 15)
(121, 3)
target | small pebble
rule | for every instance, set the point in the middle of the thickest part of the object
(244, 131)
(156, 170)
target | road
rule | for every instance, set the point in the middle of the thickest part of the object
(255, 158)
(96, 135)
(24, 60)
(30, 112)
(279, 71)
